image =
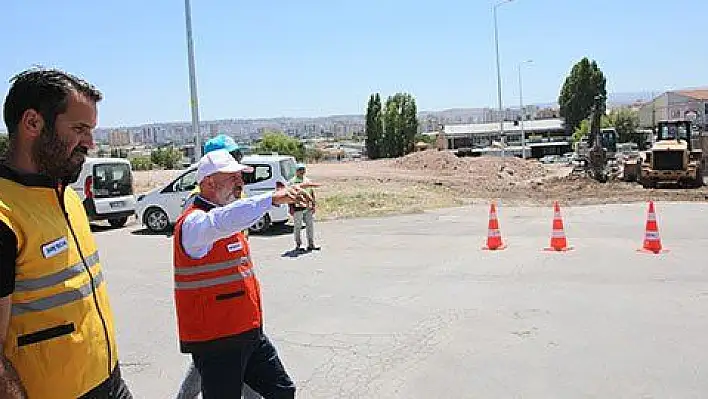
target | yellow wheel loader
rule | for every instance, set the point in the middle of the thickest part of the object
(672, 158)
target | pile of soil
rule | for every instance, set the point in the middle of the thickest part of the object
(496, 171)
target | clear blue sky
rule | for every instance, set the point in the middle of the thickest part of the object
(320, 57)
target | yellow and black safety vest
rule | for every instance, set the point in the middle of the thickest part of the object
(61, 337)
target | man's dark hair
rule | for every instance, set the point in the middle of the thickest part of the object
(44, 90)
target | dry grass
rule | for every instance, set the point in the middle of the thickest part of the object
(434, 180)
(144, 181)
(357, 198)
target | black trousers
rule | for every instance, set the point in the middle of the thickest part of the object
(254, 362)
(112, 388)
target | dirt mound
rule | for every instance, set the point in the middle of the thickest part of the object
(478, 168)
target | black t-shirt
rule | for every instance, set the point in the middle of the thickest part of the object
(8, 260)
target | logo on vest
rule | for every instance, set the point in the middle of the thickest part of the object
(54, 248)
(233, 247)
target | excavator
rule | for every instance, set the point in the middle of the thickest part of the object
(595, 162)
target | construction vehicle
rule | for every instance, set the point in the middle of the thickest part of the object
(597, 154)
(673, 158)
(608, 141)
(628, 161)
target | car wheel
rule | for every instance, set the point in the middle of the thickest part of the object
(118, 222)
(156, 220)
(261, 225)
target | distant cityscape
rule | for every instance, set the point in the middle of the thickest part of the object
(248, 131)
(336, 126)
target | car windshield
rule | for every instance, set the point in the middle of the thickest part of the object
(287, 169)
(112, 180)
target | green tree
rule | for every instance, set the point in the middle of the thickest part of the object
(425, 138)
(167, 158)
(390, 128)
(400, 125)
(585, 82)
(374, 128)
(4, 144)
(313, 154)
(282, 144)
(584, 128)
(141, 163)
(626, 122)
(410, 124)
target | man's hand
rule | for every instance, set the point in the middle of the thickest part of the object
(294, 194)
(308, 184)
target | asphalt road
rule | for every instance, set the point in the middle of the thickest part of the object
(411, 307)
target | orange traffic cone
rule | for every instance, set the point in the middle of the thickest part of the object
(494, 239)
(558, 240)
(652, 241)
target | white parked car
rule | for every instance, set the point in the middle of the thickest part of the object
(159, 208)
(105, 187)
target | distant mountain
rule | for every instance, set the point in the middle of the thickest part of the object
(451, 115)
(631, 97)
(613, 99)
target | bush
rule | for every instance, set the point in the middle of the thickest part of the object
(141, 163)
(4, 144)
(168, 158)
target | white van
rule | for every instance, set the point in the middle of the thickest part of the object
(105, 187)
(159, 208)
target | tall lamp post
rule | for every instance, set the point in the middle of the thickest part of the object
(499, 85)
(192, 82)
(522, 110)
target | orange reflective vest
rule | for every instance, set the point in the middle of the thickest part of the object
(217, 297)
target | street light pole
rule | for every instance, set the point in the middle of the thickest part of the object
(522, 110)
(192, 82)
(499, 84)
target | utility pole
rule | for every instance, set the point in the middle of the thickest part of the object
(522, 110)
(194, 102)
(499, 85)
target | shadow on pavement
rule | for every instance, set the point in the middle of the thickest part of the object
(294, 253)
(100, 228)
(276, 230)
(146, 232)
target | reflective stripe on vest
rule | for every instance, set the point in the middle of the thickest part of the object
(188, 271)
(217, 296)
(60, 325)
(57, 300)
(190, 285)
(56, 278)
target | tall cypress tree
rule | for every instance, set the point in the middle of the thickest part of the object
(374, 128)
(410, 123)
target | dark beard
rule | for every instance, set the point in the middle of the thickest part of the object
(55, 159)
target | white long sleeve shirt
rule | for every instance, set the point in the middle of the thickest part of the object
(200, 230)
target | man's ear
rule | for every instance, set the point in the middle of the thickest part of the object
(32, 122)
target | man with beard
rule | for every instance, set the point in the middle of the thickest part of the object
(56, 325)
(217, 295)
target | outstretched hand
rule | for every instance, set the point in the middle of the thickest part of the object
(308, 184)
(294, 194)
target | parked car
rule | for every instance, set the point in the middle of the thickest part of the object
(105, 187)
(159, 208)
(549, 159)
